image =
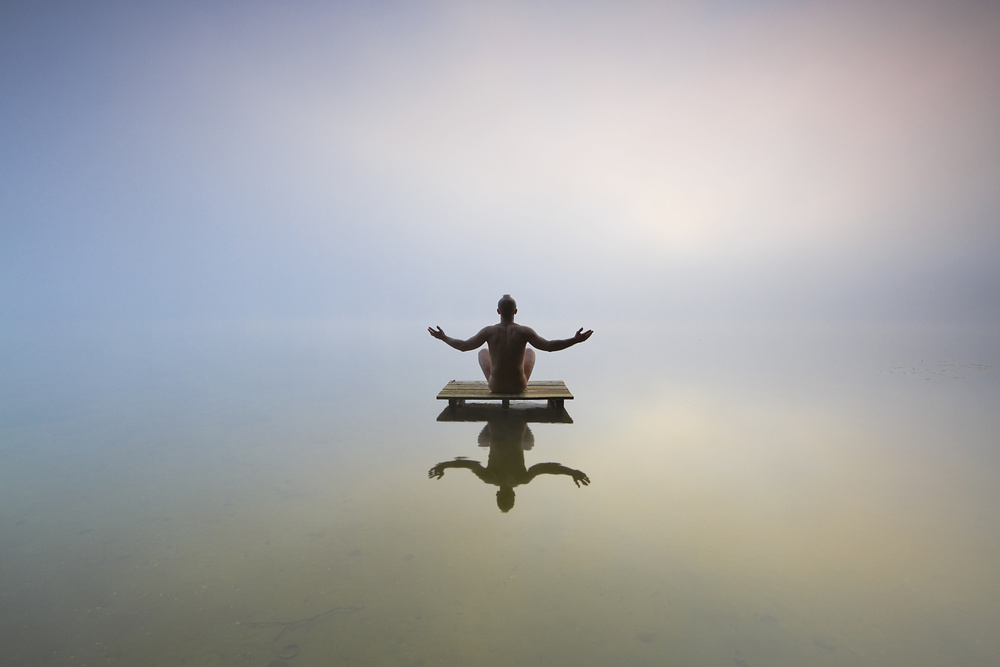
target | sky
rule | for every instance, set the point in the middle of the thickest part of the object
(625, 161)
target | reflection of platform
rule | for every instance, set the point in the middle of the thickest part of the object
(484, 412)
(457, 392)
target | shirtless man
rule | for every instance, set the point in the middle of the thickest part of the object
(508, 436)
(508, 362)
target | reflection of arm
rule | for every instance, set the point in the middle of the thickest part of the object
(462, 345)
(557, 469)
(475, 466)
(540, 343)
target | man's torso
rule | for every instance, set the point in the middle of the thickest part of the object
(507, 342)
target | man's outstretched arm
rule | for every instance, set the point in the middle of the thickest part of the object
(459, 462)
(462, 345)
(557, 469)
(540, 343)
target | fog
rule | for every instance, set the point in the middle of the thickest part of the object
(772, 160)
(224, 231)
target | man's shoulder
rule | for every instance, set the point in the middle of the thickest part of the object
(521, 331)
(508, 329)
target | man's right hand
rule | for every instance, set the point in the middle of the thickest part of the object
(579, 477)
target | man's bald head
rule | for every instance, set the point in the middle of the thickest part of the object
(506, 306)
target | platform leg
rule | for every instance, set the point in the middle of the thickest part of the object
(506, 402)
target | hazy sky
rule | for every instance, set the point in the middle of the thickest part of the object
(639, 160)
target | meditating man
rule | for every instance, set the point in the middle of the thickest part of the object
(508, 361)
(508, 436)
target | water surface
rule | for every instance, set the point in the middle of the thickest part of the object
(759, 495)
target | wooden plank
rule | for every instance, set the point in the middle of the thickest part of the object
(479, 386)
(457, 392)
(484, 412)
(478, 389)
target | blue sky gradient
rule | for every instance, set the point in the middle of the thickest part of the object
(639, 161)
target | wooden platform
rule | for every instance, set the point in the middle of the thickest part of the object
(488, 412)
(457, 392)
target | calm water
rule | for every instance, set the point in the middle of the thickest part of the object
(179, 495)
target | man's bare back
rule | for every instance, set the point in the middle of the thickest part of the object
(508, 361)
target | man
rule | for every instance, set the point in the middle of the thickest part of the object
(508, 436)
(508, 361)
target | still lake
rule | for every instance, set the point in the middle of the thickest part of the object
(259, 494)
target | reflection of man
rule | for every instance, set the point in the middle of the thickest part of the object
(507, 439)
(507, 363)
